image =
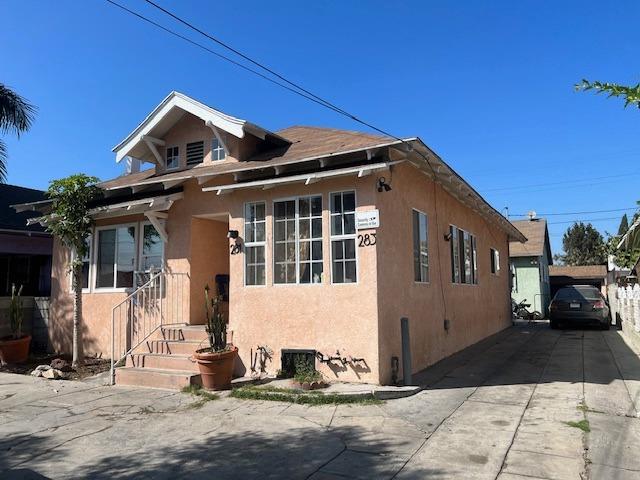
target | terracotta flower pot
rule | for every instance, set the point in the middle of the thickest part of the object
(216, 369)
(14, 351)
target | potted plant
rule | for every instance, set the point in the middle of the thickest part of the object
(15, 347)
(216, 361)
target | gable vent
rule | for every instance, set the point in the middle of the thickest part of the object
(195, 153)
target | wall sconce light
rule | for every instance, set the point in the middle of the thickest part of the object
(232, 234)
(447, 237)
(383, 185)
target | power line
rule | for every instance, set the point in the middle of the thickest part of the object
(585, 220)
(575, 213)
(563, 183)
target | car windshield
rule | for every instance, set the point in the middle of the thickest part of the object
(577, 293)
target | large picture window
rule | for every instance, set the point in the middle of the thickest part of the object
(420, 247)
(343, 237)
(297, 226)
(464, 266)
(115, 259)
(254, 243)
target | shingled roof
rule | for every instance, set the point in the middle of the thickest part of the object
(537, 239)
(581, 271)
(11, 195)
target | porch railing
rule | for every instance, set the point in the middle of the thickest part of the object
(158, 300)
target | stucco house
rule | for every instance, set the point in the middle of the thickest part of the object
(319, 239)
(529, 264)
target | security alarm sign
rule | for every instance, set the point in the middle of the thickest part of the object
(367, 220)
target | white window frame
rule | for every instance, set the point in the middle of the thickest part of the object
(218, 151)
(94, 269)
(473, 244)
(353, 236)
(421, 281)
(140, 249)
(310, 240)
(254, 243)
(495, 256)
(166, 158)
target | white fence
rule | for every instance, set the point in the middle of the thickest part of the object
(628, 306)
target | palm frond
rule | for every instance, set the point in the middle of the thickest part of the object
(3, 162)
(16, 114)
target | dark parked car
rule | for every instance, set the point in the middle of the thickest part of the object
(583, 304)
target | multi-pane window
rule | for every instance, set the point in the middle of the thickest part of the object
(495, 260)
(195, 153)
(254, 243)
(115, 260)
(343, 237)
(173, 157)
(420, 247)
(86, 261)
(217, 150)
(152, 252)
(464, 266)
(297, 245)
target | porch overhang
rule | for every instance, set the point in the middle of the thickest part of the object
(306, 178)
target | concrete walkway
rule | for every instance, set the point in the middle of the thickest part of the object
(497, 410)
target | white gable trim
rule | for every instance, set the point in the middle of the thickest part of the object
(232, 125)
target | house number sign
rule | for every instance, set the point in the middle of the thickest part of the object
(368, 219)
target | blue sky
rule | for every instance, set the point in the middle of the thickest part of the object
(487, 84)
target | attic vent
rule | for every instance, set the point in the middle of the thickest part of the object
(195, 153)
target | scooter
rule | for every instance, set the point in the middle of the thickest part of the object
(521, 311)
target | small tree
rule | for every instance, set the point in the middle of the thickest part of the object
(583, 245)
(69, 220)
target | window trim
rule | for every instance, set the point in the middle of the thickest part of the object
(141, 226)
(94, 265)
(495, 261)
(224, 153)
(344, 237)
(428, 281)
(296, 198)
(253, 244)
(72, 255)
(473, 239)
(166, 158)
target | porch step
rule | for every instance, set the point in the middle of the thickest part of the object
(190, 333)
(162, 362)
(156, 378)
(173, 347)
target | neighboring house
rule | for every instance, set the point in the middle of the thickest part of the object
(529, 264)
(564, 275)
(321, 240)
(25, 250)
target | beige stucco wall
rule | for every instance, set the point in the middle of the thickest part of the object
(474, 311)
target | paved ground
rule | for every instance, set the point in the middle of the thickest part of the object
(497, 410)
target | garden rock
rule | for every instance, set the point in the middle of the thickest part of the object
(39, 370)
(51, 374)
(61, 364)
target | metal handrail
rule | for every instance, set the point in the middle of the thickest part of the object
(144, 312)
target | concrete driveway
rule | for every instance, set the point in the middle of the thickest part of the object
(500, 409)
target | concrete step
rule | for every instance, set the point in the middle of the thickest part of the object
(192, 333)
(172, 347)
(156, 378)
(162, 361)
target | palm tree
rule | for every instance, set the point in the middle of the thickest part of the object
(16, 116)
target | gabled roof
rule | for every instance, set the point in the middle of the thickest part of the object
(169, 112)
(11, 195)
(537, 239)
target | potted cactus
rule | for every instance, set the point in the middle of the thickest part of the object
(15, 347)
(215, 361)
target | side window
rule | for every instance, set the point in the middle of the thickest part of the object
(495, 261)
(115, 258)
(343, 237)
(217, 150)
(86, 261)
(152, 254)
(173, 157)
(254, 243)
(420, 247)
(464, 256)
